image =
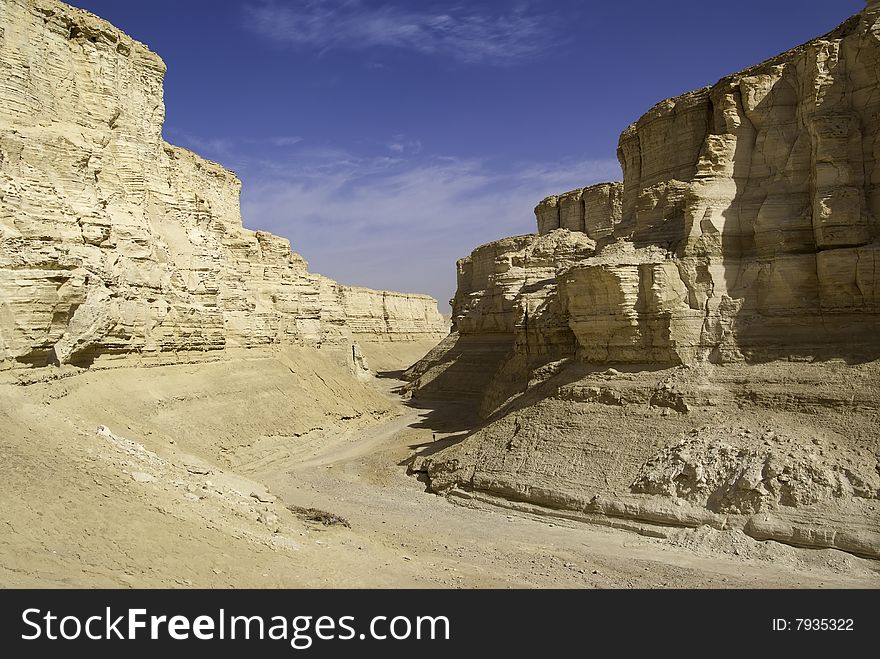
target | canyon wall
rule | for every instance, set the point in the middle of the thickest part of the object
(698, 344)
(386, 316)
(745, 228)
(114, 242)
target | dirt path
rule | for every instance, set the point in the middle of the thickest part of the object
(174, 496)
(418, 539)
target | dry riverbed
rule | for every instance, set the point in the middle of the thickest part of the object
(179, 487)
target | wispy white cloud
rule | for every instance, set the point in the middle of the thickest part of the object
(402, 223)
(393, 221)
(464, 33)
(400, 144)
(208, 147)
(286, 140)
(232, 153)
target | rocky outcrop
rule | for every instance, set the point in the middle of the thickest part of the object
(746, 226)
(509, 287)
(594, 210)
(507, 316)
(741, 246)
(380, 316)
(728, 479)
(113, 242)
(759, 199)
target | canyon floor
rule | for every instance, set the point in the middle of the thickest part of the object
(184, 485)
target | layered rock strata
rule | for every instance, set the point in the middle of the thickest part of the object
(746, 225)
(732, 274)
(594, 210)
(387, 316)
(114, 242)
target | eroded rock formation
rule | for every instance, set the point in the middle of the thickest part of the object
(745, 227)
(594, 210)
(731, 275)
(114, 242)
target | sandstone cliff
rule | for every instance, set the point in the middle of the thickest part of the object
(741, 246)
(746, 225)
(113, 242)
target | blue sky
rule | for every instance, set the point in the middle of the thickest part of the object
(387, 139)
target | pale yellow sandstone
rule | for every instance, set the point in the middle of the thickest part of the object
(113, 242)
(724, 299)
(594, 210)
(746, 225)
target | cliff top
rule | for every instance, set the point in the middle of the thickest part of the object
(82, 24)
(384, 293)
(693, 97)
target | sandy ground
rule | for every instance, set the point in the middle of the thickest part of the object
(188, 483)
(359, 476)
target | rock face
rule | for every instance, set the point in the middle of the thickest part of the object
(727, 479)
(379, 316)
(763, 192)
(594, 210)
(509, 287)
(746, 226)
(114, 242)
(732, 274)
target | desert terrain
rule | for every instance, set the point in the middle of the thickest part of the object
(179, 489)
(672, 383)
